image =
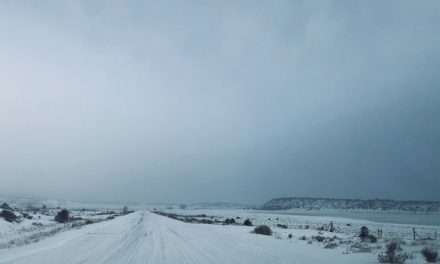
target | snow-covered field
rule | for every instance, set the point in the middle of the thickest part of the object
(344, 224)
(308, 229)
(146, 237)
(33, 225)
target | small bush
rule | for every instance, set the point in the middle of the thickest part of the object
(393, 247)
(364, 232)
(332, 228)
(62, 216)
(430, 255)
(290, 236)
(365, 235)
(390, 255)
(206, 221)
(5, 206)
(77, 225)
(318, 238)
(8, 215)
(331, 245)
(263, 230)
(282, 226)
(247, 222)
(229, 221)
(302, 238)
(27, 216)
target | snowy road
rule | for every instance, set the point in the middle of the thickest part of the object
(143, 237)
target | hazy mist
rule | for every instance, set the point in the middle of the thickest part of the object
(236, 101)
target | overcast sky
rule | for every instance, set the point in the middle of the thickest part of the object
(236, 101)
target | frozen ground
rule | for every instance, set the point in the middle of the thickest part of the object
(145, 237)
(396, 227)
(33, 225)
(309, 228)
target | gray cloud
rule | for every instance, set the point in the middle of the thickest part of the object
(219, 101)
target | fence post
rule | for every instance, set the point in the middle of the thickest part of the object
(435, 234)
(414, 233)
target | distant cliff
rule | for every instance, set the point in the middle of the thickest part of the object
(350, 204)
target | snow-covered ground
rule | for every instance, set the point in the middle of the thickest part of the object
(33, 225)
(145, 237)
(344, 224)
(308, 228)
